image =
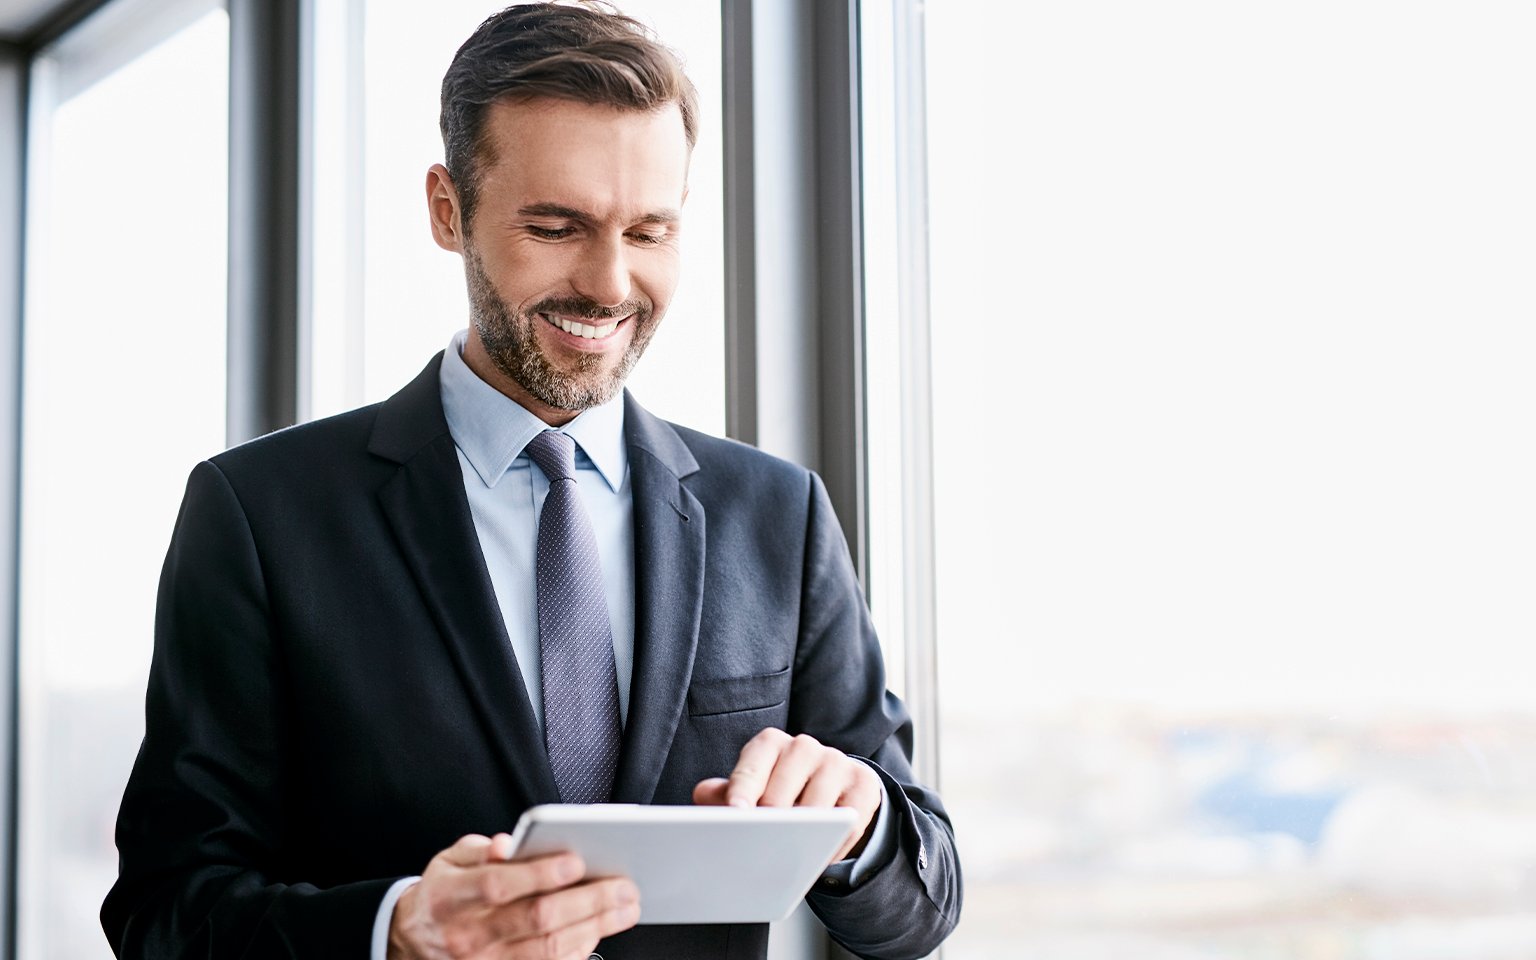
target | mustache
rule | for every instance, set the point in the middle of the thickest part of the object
(587, 309)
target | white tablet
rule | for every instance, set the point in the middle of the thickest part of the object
(695, 864)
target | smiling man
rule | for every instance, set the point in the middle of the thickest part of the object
(381, 637)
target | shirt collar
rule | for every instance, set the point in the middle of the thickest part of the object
(491, 429)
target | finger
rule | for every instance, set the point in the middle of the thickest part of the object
(803, 758)
(493, 884)
(534, 917)
(863, 797)
(754, 766)
(710, 792)
(864, 793)
(828, 784)
(500, 849)
(576, 941)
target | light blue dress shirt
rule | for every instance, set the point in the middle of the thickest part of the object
(506, 492)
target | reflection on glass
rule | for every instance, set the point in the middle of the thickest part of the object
(1232, 353)
(413, 292)
(124, 392)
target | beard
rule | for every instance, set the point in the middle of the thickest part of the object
(512, 344)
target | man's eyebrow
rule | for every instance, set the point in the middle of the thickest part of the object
(558, 211)
(561, 212)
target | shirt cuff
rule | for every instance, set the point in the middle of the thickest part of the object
(380, 947)
(881, 844)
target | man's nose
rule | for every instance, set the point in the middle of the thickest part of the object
(603, 275)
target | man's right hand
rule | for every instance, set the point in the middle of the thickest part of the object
(472, 902)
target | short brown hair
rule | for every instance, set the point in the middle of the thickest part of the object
(588, 52)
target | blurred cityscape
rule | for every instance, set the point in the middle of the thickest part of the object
(1107, 832)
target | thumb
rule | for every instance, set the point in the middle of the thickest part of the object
(469, 851)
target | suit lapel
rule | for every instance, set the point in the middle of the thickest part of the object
(429, 512)
(669, 596)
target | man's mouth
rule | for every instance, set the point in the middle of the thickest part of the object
(584, 330)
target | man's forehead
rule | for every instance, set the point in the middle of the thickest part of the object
(598, 160)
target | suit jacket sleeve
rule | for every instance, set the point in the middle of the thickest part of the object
(202, 821)
(911, 903)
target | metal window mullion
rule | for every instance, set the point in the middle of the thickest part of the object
(266, 216)
(13, 123)
(919, 607)
(740, 226)
(841, 272)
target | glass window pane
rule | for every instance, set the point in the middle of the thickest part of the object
(1235, 622)
(124, 391)
(413, 292)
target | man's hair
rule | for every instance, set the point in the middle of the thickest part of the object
(586, 52)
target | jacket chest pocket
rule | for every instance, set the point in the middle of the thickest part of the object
(726, 695)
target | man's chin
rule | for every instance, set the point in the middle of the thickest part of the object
(574, 396)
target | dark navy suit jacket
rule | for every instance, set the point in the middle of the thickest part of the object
(333, 698)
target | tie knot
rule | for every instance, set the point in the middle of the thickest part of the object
(555, 453)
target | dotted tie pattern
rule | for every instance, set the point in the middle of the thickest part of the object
(580, 685)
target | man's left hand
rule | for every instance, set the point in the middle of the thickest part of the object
(777, 770)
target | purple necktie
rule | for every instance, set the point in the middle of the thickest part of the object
(581, 689)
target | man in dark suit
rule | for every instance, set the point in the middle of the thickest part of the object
(366, 656)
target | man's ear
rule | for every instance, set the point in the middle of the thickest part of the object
(443, 209)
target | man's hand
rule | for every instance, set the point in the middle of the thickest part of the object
(472, 902)
(777, 770)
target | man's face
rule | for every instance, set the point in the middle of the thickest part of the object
(572, 255)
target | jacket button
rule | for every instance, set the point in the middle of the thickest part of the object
(595, 956)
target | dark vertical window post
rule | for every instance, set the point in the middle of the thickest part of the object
(13, 122)
(265, 208)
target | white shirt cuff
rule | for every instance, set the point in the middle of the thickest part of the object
(380, 947)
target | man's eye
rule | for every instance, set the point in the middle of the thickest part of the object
(550, 233)
(649, 239)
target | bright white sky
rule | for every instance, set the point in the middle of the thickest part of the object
(1233, 348)
(124, 350)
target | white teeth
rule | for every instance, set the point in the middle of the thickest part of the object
(585, 330)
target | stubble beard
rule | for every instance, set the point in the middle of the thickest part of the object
(512, 344)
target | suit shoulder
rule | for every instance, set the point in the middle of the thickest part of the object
(305, 446)
(742, 463)
(734, 456)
